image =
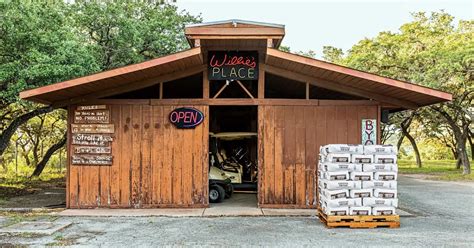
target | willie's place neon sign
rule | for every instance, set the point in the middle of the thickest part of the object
(233, 65)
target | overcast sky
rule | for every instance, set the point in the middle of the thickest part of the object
(310, 25)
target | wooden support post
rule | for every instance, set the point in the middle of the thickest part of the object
(205, 85)
(379, 128)
(307, 91)
(161, 90)
(261, 81)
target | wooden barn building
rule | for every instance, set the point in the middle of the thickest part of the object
(139, 135)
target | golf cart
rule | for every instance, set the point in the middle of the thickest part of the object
(234, 171)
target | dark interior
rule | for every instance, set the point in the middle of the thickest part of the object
(233, 90)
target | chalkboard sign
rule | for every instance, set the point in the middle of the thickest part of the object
(186, 117)
(233, 65)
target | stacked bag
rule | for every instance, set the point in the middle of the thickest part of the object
(357, 179)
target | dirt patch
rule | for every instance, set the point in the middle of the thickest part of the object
(34, 194)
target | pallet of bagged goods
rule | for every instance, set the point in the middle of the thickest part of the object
(357, 186)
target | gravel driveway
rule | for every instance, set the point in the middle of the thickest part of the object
(444, 216)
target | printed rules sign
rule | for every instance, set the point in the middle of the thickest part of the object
(369, 131)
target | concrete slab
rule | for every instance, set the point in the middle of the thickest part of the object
(35, 227)
(289, 212)
(170, 212)
(232, 211)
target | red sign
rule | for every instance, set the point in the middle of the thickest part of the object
(186, 117)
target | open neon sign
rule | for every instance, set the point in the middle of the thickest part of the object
(186, 117)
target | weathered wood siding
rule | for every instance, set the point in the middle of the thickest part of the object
(289, 141)
(154, 164)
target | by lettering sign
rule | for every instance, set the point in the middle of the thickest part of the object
(369, 131)
(186, 117)
(233, 65)
(92, 116)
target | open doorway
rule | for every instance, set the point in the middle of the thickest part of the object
(233, 170)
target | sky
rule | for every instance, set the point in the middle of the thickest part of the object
(310, 25)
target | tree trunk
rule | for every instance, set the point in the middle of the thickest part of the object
(469, 138)
(40, 166)
(400, 141)
(458, 162)
(10, 130)
(404, 125)
(415, 147)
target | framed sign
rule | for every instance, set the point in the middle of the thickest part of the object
(186, 117)
(92, 128)
(369, 131)
(92, 116)
(233, 65)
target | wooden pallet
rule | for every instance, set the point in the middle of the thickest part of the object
(360, 221)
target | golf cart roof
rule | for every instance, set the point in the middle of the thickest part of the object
(233, 135)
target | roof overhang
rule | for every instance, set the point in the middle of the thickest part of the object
(117, 80)
(395, 93)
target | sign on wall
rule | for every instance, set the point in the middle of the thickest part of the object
(186, 117)
(92, 136)
(233, 65)
(369, 131)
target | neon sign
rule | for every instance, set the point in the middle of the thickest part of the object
(186, 117)
(233, 65)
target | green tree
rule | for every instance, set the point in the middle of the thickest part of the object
(432, 51)
(46, 42)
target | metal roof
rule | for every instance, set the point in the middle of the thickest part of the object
(266, 24)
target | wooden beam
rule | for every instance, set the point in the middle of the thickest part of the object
(307, 91)
(222, 89)
(261, 81)
(323, 83)
(205, 85)
(161, 90)
(245, 89)
(131, 87)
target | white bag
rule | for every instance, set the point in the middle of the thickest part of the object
(335, 193)
(359, 193)
(336, 210)
(356, 167)
(379, 167)
(385, 193)
(361, 176)
(326, 184)
(379, 184)
(380, 149)
(342, 202)
(335, 166)
(383, 210)
(341, 148)
(374, 201)
(337, 158)
(385, 176)
(336, 175)
(385, 159)
(362, 159)
(360, 210)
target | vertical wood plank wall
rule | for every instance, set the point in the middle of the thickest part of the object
(154, 164)
(289, 141)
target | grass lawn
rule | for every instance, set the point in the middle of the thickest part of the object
(436, 169)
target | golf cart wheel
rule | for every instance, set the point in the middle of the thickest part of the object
(216, 194)
(229, 191)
